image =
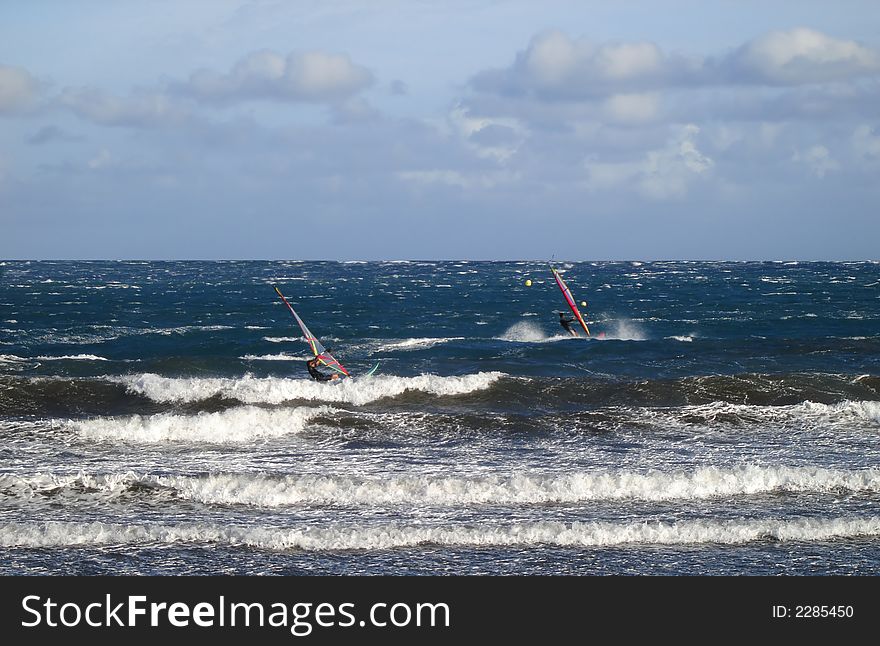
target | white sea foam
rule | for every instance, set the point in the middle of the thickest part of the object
(275, 390)
(282, 339)
(74, 357)
(184, 329)
(109, 285)
(417, 343)
(862, 409)
(625, 331)
(261, 490)
(684, 339)
(844, 414)
(529, 332)
(273, 357)
(398, 535)
(115, 332)
(239, 424)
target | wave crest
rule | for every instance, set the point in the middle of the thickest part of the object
(261, 490)
(276, 390)
(390, 536)
(233, 425)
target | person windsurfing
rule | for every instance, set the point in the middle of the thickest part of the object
(317, 349)
(566, 323)
(317, 375)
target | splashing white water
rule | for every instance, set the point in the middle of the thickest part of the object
(530, 332)
(397, 535)
(275, 390)
(234, 425)
(262, 490)
(624, 330)
(417, 343)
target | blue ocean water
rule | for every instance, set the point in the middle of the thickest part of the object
(157, 418)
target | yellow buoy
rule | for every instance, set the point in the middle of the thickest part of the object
(528, 283)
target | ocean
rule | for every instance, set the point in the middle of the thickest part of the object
(157, 419)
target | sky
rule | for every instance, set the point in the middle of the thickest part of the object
(421, 129)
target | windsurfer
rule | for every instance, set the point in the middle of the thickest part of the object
(317, 349)
(566, 292)
(564, 322)
(317, 375)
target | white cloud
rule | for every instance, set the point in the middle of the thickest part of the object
(803, 56)
(628, 60)
(818, 159)
(661, 174)
(309, 76)
(632, 108)
(140, 109)
(495, 138)
(555, 66)
(553, 60)
(18, 89)
(550, 58)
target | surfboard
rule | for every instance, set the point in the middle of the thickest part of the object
(371, 370)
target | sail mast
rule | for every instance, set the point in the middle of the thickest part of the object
(318, 350)
(566, 292)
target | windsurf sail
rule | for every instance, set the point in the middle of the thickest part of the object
(569, 299)
(318, 350)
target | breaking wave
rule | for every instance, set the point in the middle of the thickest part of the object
(262, 490)
(390, 536)
(726, 413)
(234, 425)
(275, 390)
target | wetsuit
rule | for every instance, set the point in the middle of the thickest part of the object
(564, 322)
(315, 373)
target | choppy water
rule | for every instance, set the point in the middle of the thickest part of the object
(157, 418)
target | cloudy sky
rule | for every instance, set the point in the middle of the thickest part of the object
(430, 129)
